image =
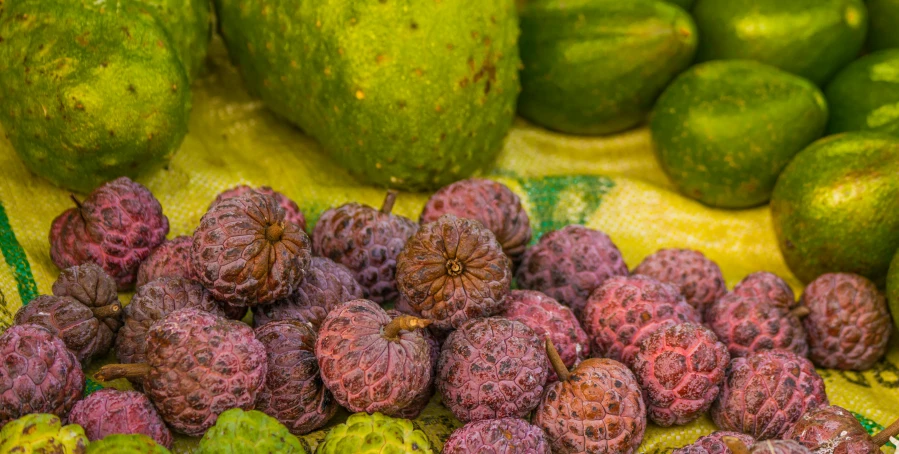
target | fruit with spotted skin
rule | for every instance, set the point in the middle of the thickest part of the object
(376, 433)
(698, 277)
(750, 324)
(504, 435)
(40, 433)
(768, 286)
(169, 259)
(832, 429)
(110, 411)
(245, 432)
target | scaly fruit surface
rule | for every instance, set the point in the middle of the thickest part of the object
(364, 433)
(169, 259)
(832, 429)
(82, 329)
(713, 443)
(751, 324)
(126, 444)
(698, 278)
(91, 286)
(768, 286)
(110, 411)
(39, 433)
(292, 212)
(247, 432)
(497, 436)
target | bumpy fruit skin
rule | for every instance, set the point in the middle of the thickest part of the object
(37, 375)
(766, 392)
(779, 447)
(550, 320)
(119, 224)
(712, 443)
(568, 264)
(294, 393)
(152, 303)
(598, 409)
(497, 436)
(247, 432)
(201, 365)
(491, 368)
(769, 286)
(365, 370)
(848, 323)
(698, 278)
(170, 259)
(414, 408)
(625, 310)
(126, 444)
(84, 334)
(292, 212)
(832, 429)
(110, 411)
(680, 369)
(326, 286)
(91, 286)
(453, 270)
(42, 434)
(490, 202)
(367, 241)
(246, 253)
(375, 434)
(747, 324)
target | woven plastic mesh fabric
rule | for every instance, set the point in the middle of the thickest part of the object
(612, 184)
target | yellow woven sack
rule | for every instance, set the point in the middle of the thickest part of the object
(612, 184)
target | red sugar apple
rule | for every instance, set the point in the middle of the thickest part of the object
(698, 278)
(110, 411)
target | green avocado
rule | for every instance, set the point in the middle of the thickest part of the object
(403, 93)
(811, 38)
(835, 206)
(864, 96)
(126, 444)
(892, 292)
(597, 66)
(91, 90)
(248, 432)
(724, 130)
(189, 23)
(883, 24)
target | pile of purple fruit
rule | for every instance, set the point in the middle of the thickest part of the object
(377, 313)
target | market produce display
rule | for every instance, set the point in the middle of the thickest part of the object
(552, 288)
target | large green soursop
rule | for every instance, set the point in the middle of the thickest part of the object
(91, 90)
(189, 23)
(248, 432)
(375, 434)
(404, 93)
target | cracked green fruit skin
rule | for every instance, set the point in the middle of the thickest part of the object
(375, 434)
(92, 91)
(883, 23)
(39, 433)
(864, 96)
(247, 432)
(724, 130)
(126, 444)
(403, 93)
(189, 23)
(597, 66)
(835, 206)
(811, 38)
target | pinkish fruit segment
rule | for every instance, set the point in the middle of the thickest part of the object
(170, 259)
(503, 435)
(699, 279)
(765, 285)
(110, 411)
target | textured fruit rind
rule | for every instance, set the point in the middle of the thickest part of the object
(680, 369)
(126, 444)
(42, 433)
(84, 335)
(569, 264)
(37, 375)
(294, 393)
(238, 432)
(364, 370)
(848, 322)
(779, 447)
(90, 285)
(366, 241)
(292, 212)
(110, 411)
(375, 434)
(245, 253)
(765, 393)
(698, 278)
(491, 368)
(504, 435)
(713, 444)
(170, 259)
(490, 202)
(625, 310)
(453, 270)
(550, 320)
(201, 365)
(598, 409)
(769, 286)
(747, 324)
(832, 429)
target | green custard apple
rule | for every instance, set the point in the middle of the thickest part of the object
(883, 23)
(864, 96)
(724, 130)
(403, 93)
(834, 207)
(597, 66)
(91, 90)
(189, 23)
(375, 434)
(126, 444)
(246, 432)
(40, 433)
(811, 38)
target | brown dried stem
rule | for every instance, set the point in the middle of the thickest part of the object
(800, 311)
(556, 361)
(129, 371)
(389, 200)
(884, 435)
(110, 310)
(735, 445)
(77, 205)
(404, 323)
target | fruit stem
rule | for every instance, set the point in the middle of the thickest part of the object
(556, 360)
(389, 200)
(735, 445)
(404, 323)
(273, 232)
(454, 267)
(884, 435)
(77, 205)
(800, 311)
(129, 371)
(110, 310)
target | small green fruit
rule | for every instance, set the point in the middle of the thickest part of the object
(375, 434)
(246, 432)
(126, 444)
(864, 96)
(39, 433)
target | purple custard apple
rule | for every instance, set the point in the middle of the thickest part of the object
(698, 278)
(292, 212)
(748, 324)
(765, 285)
(832, 429)
(169, 259)
(92, 287)
(713, 443)
(499, 436)
(110, 411)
